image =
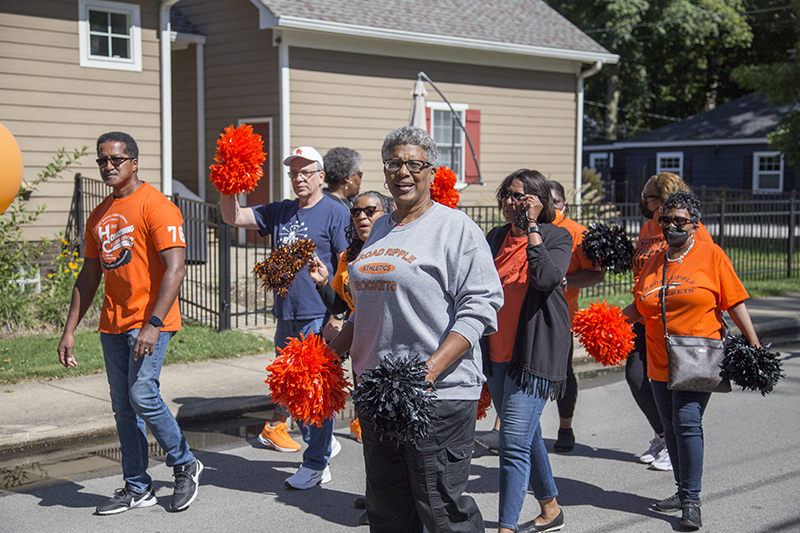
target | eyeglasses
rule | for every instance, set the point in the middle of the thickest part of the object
(506, 194)
(304, 173)
(370, 211)
(413, 165)
(679, 222)
(116, 161)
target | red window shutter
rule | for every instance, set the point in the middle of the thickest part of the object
(473, 127)
(428, 120)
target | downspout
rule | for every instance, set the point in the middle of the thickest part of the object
(579, 129)
(201, 121)
(166, 95)
(283, 80)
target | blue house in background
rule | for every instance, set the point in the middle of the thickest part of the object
(724, 147)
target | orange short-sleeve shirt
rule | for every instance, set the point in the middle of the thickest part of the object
(577, 262)
(341, 282)
(512, 267)
(126, 235)
(698, 289)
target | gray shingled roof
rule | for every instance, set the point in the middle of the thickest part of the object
(518, 22)
(748, 117)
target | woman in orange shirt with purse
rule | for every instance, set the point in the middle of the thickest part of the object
(699, 283)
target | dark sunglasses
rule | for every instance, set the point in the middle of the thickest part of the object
(506, 194)
(116, 161)
(370, 211)
(679, 222)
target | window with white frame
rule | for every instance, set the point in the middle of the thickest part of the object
(670, 162)
(110, 35)
(602, 162)
(767, 172)
(449, 136)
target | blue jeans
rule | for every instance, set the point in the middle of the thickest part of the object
(523, 457)
(318, 439)
(137, 405)
(682, 415)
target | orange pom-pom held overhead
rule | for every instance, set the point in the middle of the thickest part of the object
(443, 188)
(308, 379)
(603, 330)
(240, 154)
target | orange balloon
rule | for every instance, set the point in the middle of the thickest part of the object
(10, 168)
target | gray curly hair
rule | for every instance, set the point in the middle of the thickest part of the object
(340, 164)
(413, 136)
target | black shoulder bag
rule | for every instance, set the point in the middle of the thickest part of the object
(693, 362)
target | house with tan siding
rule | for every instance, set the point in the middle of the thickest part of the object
(324, 73)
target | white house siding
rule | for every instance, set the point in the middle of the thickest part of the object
(353, 100)
(241, 72)
(48, 101)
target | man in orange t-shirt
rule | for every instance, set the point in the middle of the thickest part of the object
(135, 239)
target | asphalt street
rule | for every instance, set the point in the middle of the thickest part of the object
(751, 481)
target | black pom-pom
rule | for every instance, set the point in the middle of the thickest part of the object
(344, 357)
(608, 247)
(751, 368)
(395, 397)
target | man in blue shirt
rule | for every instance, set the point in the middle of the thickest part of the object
(311, 216)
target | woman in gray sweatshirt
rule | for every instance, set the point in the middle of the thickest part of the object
(425, 287)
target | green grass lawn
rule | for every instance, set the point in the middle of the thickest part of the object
(34, 357)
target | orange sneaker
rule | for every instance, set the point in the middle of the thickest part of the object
(278, 438)
(355, 430)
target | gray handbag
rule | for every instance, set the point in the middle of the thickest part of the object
(694, 363)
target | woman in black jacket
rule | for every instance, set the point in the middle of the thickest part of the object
(526, 360)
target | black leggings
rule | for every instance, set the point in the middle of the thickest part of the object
(566, 405)
(636, 376)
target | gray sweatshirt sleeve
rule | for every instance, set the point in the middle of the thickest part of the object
(478, 294)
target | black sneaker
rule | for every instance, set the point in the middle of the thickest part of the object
(669, 505)
(490, 442)
(565, 442)
(691, 516)
(125, 499)
(187, 479)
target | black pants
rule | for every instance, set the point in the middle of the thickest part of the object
(566, 404)
(636, 376)
(409, 485)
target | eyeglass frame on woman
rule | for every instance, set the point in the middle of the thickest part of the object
(409, 165)
(370, 211)
(305, 173)
(116, 162)
(506, 194)
(680, 222)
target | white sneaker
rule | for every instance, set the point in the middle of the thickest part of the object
(662, 462)
(656, 445)
(306, 478)
(336, 447)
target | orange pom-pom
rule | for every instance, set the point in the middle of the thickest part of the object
(240, 154)
(308, 379)
(484, 402)
(443, 187)
(281, 267)
(603, 330)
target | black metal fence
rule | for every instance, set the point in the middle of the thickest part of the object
(762, 238)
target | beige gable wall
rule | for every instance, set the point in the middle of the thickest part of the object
(48, 101)
(528, 118)
(241, 68)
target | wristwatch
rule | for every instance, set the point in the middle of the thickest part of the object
(155, 321)
(533, 229)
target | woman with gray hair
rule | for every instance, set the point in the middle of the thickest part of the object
(425, 289)
(343, 175)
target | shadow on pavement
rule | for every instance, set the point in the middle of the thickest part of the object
(267, 477)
